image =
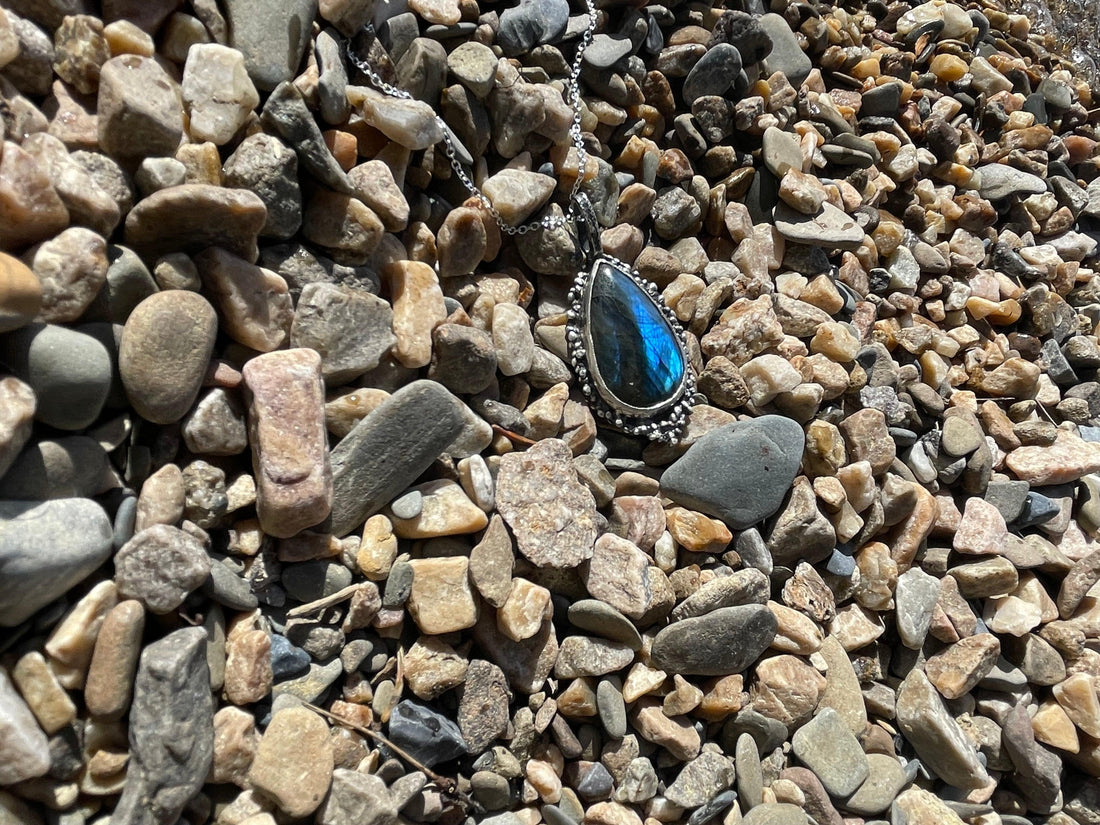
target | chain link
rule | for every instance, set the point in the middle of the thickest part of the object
(572, 97)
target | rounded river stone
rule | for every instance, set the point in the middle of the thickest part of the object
(166, 346)
(719, 643)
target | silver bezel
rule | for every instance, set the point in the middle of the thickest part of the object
(660, 422)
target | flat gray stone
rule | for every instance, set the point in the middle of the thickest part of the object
(389, 449)
(701, 779)
(357, 797)
(885, 779)
(715, 72)
(350, 328)
(272, 35)
(160, 566)
(1001, 181)
(532, 23)
(719, 643)
(739, 472)
(936, 736)
(71, 467)
(45, 549)
(780, 151)
(786, 55)
(831, 228)
(171, 730)
(916, 597)
(827, 747)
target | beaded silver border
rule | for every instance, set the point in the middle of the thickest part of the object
(662, 422)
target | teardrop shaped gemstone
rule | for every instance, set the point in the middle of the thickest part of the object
(634, 353)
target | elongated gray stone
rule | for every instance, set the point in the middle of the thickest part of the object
(46, 548)
(386, 451)
(718, 643)
(171, 730)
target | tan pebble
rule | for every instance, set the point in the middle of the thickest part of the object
(441, 600)
(640, 680)
(982, 530)
(544, 780)
(787, 689)
(377, 549)
(677, 736)
(20, 293)
(796, 633)
(254, 303)
(289, 445)
(958, 669)
(446, 511)
(47, 700)
(30, 206)
(294, 761)
(524, 611)
(1077, 697)
(248, 675)
(114, 661)
(611, 813)
(432, 667)
(683, 699)
(73, 640)
(343, 412)
(697, 532)
(578, 700)
(235, 742)
(418, 308)
(855, 626)
(947, 67)
(1052, 726)
(722, 699)
(123, 37)
(161, 500)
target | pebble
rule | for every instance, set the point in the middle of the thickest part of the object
(17, 408)
(697, 645)
(108, 689)
(426, 735)
(441, 599)
(139, 109)
(217, 91)
(68, 370)
(936, 736)
(25, 748)
(271, 36)
(253, 303)
(22, 293)
(268, 168)
(160, 566)
(713, 74)
(357, 797)
(551, 513)
(705, 478)
(193, 216)
(79, 536)
(830, 228)
(293, 764)
(172, 708)
(166, 346)
(294, 485)
(828, 748)
(351, 329)
(389, 449)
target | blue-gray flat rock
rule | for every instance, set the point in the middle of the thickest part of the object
(425, 734)
(532, 23)
(715, 72)
(386, 451)
(719, 643)
(740, 472)
(46, 548)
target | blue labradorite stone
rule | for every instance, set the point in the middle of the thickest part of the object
(634, 350)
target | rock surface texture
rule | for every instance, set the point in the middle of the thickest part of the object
(304, 517)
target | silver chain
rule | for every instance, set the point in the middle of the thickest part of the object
(572, 96)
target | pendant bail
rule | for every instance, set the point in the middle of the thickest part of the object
(588, 230)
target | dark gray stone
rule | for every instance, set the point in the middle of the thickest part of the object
(718, 643)
(288, 113)
(714, 74)
(128, 284)
(744, 32)
(171, 730)
(312, 580)
(464, 359)
(46, 548)
(428, 736)
(264, 165)
(228, 589)
(483, 705)
(532, 23)
(739, 472)
(351, 329)
(160, 566)
(287, 660)
(389, 449)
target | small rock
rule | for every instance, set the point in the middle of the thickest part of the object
(160, 566)
(357, 797)
(218, 92)
(698, 645)
(139, 109)
(24, 748)
(294, 761)
(828, 748)
(194, 216)
(294, 481)
(426, 735)
(272, 37)
(441, 600)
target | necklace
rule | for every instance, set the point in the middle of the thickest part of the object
(626, 346)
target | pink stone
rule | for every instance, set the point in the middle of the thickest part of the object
(982, 530)
(286, 419)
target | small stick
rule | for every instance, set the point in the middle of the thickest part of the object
(325, 602)
(514, 437)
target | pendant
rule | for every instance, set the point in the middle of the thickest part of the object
(628, 350)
